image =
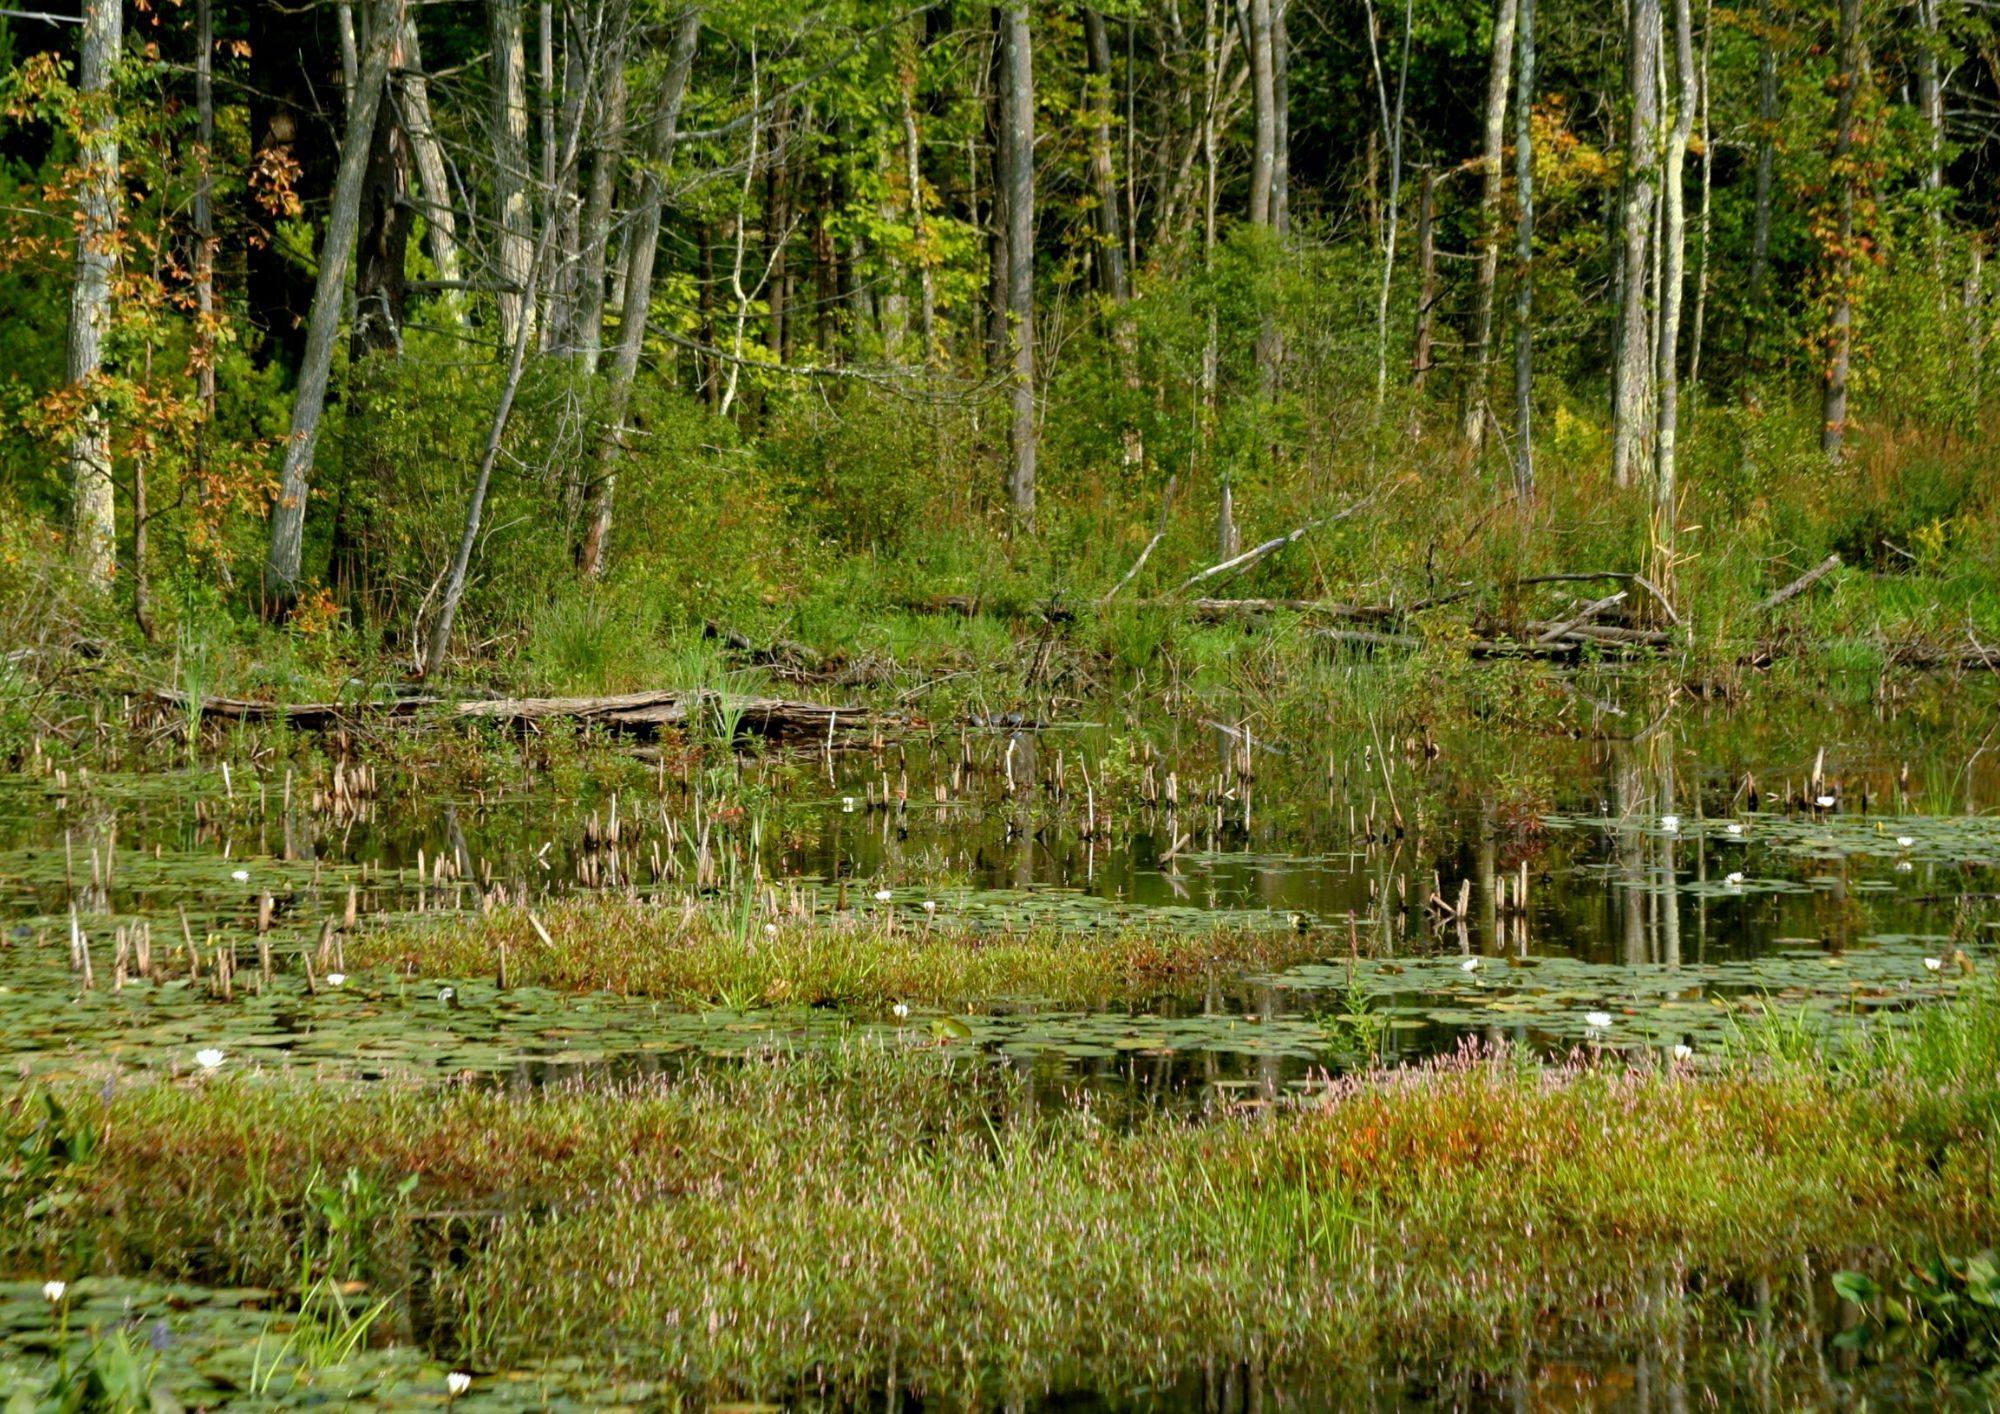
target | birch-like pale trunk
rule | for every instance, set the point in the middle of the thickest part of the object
(641, 252)
(1673, 273)
(507, 70)
(433, 176)
(1492, 169)
(1392, 124)
(1281, 150)
(1840, 334)
(1930, 104)
(93, 533)
(1524, 256)
(1263, 110)
(288, 515)
(1018, 109)
(607, 154)
(1632, 391)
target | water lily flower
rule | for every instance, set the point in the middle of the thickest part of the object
(1598, 1019)
(1933, 964)
(884, 896)
(457, 1383)
(1734, 877)
(447, 995)
(1471, 964)
(900, 1010)
(1826, 802)
(52, 1291)
(241, 876)
(1670, 823)
(1906, 840)
(1683, 1052)
(1903, 866)
(1734, 828)
(209, 1058)
(847, 804)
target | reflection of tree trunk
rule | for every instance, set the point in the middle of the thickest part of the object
(1631, 848)
(1670, 897)
(1489, 903)
(93, 503)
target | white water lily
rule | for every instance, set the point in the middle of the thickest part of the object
(1734, 829)
(1903, 866)
(447, 995)
(52, 1291)
(1683, 1052)
(1670, 822)
(1933, 964)
(457, 1383)
(884, 896)
(1733, 877)
(335, 979)
(1598, 1019)
(1826, 802)
(209, 1058)
(847, 804)
(1471, 964)
(1905, 841)
(900, 1010)
(241, 876)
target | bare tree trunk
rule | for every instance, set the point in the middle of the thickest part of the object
(1673, 275)
(1930, 103)
(440, 222)
(1018, 107)
(606, 155)
(1840, 337)
(1524, 258)
(1499, 76)
(1392, 124)
(920, 238)
(1632, 393)
(1427, 291)
(1972, 300)
(288, 515)
(383, 237)
(1281, 151)
(1704, 268)
(93, 503)
(641, 250)
(1263, 109)
(204, 228)
(508, 79)
(1767, 153)
(1110, 240)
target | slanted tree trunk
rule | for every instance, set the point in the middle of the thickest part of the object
(1632, 391)
(1673, 273)
(1524, 256)
(383, 240)
(1018, 108)
(1110, 240)
(641, 251)
(93, 507)
(607, 154)
(1499, 73)
(433, 177)
(1840, 334)
(508, 79)
(288, 515)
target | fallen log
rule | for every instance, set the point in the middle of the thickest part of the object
(639, 713)
(1565, 648)
(1800, 585)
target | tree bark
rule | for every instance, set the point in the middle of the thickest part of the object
(93, 503)
(1767, 154)
(1930, 103)
(1018, 107)
(1263, 110)
(641, 249)
(1499, 77)
(1110, 240)
(1427, 291)
(1392, 124)
(383, 240)
(1673, 273)
(288, 515)
(1632, 392)
(1524, 256)
(204, 228)
(1281, 149)
(1840, 335)
(607, 154)
(508, 80)
(440, 221)
(920, 239)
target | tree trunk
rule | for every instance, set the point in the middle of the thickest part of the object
(1018, 106)
(999, 269)
(1427, 291)
(93, 503)
(1673, 272)
(1840, 336)
(920, 240)
(440, 222)
(1632, 392)
(1281, 148)
(288, 516)
(1499, 77)
(508, 79)
(383, 240)
(1392, 124)
(607, 154)
(1767, 155)
(641, 250)
(1524, 257)
(204, 228)
(1930, 104)
(1263, 110)
(1110, 240)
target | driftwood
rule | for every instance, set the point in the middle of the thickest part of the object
(640, 713)
(1567, 647)
(1800, 585)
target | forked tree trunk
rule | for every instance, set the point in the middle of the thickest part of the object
(1499, 73)
(288, 515)
(641, 248)
(1840, 335)
(1632, 390)
(1018, 107)
(93, 505)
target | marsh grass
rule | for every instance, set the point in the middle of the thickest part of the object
(737, 951)
(839, 1216)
